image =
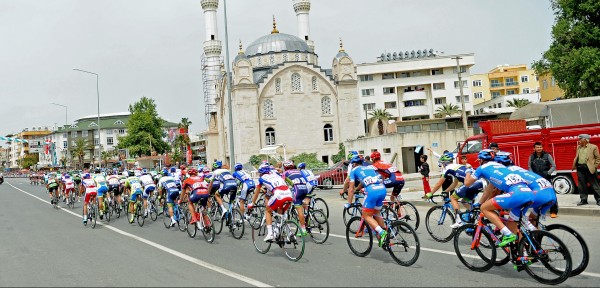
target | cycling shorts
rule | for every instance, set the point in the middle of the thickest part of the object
(200, 195)
(51, 189)
(172, 195)
(134, 195)
(279, 197)
(245, 189)
(374, 196)
(114, 188)
(228, 187)
(148, 190)
(102, 190)
(470, 192)
(516, 199)
(543, 200)
(89, 194)
(394, 182)
(300, 192)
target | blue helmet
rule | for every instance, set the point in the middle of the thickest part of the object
(486, 155)
(264, 168)
(165, 172)
(356, 159)
(87, 176)
(173, 169)
(238, 166)
(302, 165)
(217, 165)
(352, 154)
(504, 158)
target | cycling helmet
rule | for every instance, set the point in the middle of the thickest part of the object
(67, 176)
(193, 172)
(217, 165)
(447, 157)
(165, 172)
(302, 165)
(375, 155)
(356, 159)
(125, 174)
(205, 170)
(264, 168)
(97, 170)
(486, 155)
(173, 169)
(288, 164)
(87, 176)
(238, 166)
(504, 158)
(352, 154)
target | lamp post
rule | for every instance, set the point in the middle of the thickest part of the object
(230, 110)
(66, 129)
(462, 98)
(98, 93)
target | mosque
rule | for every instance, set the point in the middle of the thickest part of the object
(281, 96)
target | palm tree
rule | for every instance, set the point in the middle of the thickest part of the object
(518, 103)
(185, 123)
(447, 110)
(81, 145)
(380, 115)
(107, 155)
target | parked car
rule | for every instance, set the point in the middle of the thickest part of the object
(334, 175)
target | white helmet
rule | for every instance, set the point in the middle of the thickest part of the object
(125, 174)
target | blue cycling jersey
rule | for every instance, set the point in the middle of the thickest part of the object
(534, 182)
(244, 177)
(309, 177)
(498, 175)
(456, 171)
(367, 175)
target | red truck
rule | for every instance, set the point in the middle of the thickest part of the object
(513, 136)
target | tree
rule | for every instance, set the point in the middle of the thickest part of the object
(518, 103)
(255, 160)
(144, 129)
(107, 155)
(310, 159)
(447, 110)
(29, 160)
(573, 57)
(341, 155)
(380, 115)
(78, 150)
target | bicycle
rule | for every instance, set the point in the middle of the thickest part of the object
(317, 224)
(316, 203)
(179, 214)
(355, 208)
(401, 240)
(405, 211)
(204, 224)
(475, 245)
(284, 234)
(72, 199)
(107, 208)
(153, 209)
(92, 208)
(234, 220)
(138, 210)
(440, 217)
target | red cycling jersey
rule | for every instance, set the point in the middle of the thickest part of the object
(196, 184)
(386, 170)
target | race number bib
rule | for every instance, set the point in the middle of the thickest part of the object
(543, 183)
(371, 180)
(393, 169)
(227, 177)
(512, 179)
(173, 185)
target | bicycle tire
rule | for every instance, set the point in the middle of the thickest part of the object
(140, 213)
(256, 216)
(354, 240)
(349, 213)
(317, 226)
(554, 246)
(209, 229)
(153, 211)
(293, 242)
(192, 229)
(258, 235)
(402, 235)
(474, 259)
(94, 216)
(219, 224)
(323, 207)
(410, 215)
(184, 218)
(578, 265)
(166, 217)
(237, 224)
(437, 223)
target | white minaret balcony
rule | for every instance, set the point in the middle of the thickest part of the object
(209, 4)
(302, 6)
(212, 47)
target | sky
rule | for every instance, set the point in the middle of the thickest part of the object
(153, 48)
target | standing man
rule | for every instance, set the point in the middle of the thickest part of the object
(586, 162)
(541, 163)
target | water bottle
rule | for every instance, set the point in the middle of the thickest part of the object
(465, 216)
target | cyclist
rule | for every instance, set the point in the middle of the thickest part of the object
(516, 194)
(113, 187)
(149, 187)
(199, 192)
(277, 193)
(346, 181)
(544, 194)
(77, 180)
(247, 183)
(227, 184)
(168, 185)
(102, 190)
(309, 176)
(52, 186)
(69, 187)
(88, 185)
(392, 177)
(375, 192)
(293, 177)
(133, 187)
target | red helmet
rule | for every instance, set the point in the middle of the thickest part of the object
(181, 166)
(375, 155)
(193, 172)
(288, 164)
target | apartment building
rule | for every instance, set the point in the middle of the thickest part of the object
(549, 89)
(503, 80)
(18, 150)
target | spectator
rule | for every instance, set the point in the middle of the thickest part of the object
(424, 169)
(586, 162)
(494, 146)
(541, 163)
(463, 161)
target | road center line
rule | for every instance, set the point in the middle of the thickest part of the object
(196, 261)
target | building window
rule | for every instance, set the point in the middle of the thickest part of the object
(272, 59)
(478, 95)
(328, 132)
(404, 75)
(65, 144)
(437, 71)
(93, 124)
(109, 132)
(416, 73)
(414, 103)
(315, 84)
(499, 105)
(495, 94)
(326, 105)
(387, 76)
(463, 69)
(476, 83)
(369, 107)
(526, 91)
(389, 105)
(270, 136)
(119, 122)
(365, 78)
(389, 90)
(367, 92)
(278, 85)
(544, 84)
(439, 86)
(84, 133)
(96, 141)
(524, 78)
(268, 109)
(408, 128)
(510, 92)
(259, 61)
(510, 82)
(553, 81)
(109, 141)
(440, 101)
(296, 57)
(466, 97)
(495, 83)
(296, 83)
(73, 143)
(121, 131)
(285, 57)
(73, 133)
(64, 135)
(464, 83)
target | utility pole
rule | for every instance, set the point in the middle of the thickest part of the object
(462, 98)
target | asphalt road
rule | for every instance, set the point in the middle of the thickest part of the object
(42, 246)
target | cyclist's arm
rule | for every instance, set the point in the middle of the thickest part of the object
(452, 186)
(255, 196)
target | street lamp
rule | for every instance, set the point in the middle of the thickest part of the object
(230, 110)
(66, 128)
(98, 93)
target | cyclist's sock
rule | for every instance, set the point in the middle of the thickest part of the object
(528, 224)
(269, 229)
(505, 231)
(379, 229)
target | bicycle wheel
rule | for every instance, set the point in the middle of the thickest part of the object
(139, 208)
(258, 236)
(408, 213)
(209, 229)
(292, 241)
(192, 229)
(360, 242)
(321, 205)
(184, 218)
(107, 211)
(551, 261)
(166, 217)
(94, 215)
(403, 243)
(477, 254)
(215, 217)
(219, 224)
(255, 216)
(580, 254)
(317, 226)
(438, 221)
(351, 212)
(153, 210)
(237, 224)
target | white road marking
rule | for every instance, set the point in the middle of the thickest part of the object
(196, 261)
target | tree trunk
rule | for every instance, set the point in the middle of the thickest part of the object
(380, 127)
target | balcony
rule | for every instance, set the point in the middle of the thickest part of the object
(414, 111)
(414, 95)
(509, 84)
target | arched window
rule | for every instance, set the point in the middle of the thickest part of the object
(315, 84)
(326, 105)
(270, 136)
(268, 109)
(296, 83)
(285, 57)
(278, 85)
(272, 59)
(328, 132)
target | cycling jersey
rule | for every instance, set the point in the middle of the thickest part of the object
(69, 184)
(113, 182)
(392, 178)
(199, 189)
(374, 188)
(543, 191)
(277, 190)
(227, 182)
(456, 171)
(135, 187)
(148, 184)
(299, 189)
(101, 184)
(90, 189)
(247, 183)
(469, 192)
(52, 184)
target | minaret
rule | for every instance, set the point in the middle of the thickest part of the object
(211, 62)
(302, 7)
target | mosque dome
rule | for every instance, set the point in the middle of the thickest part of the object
(277, 42)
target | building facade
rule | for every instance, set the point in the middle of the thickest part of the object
(18, 150)
(501, 105)
(503, 80)
(549, 89)
(413, 85)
